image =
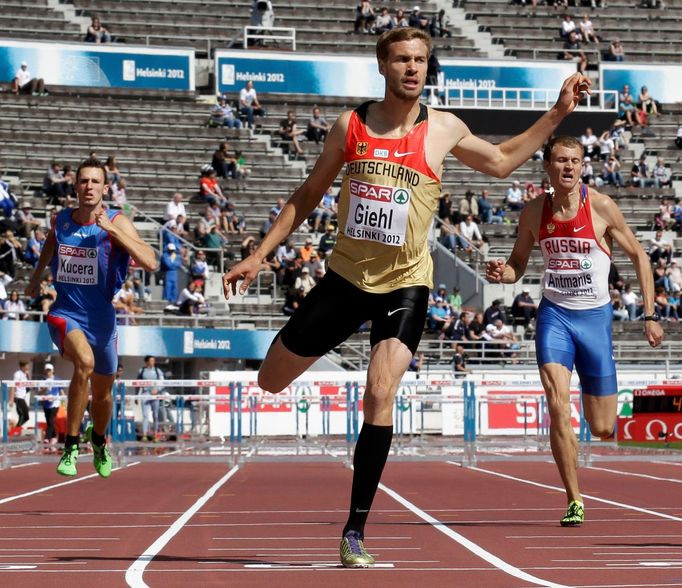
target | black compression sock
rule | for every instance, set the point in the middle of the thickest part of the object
(98, 440)
(70, 441)
(371, 451)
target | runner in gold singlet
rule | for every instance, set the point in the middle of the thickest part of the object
(380, 268)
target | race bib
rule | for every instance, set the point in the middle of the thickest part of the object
(377, 213)
(77, 265)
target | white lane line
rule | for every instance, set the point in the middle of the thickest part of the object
(558, 489)
(470, 545)
(174, 452)
(134, 572)
(312, 538)
(634, 475)
(581, 536)
(306, 567)
(24, 465)
(308, 549)
(53, 486)
(61, 539)
(26, 549)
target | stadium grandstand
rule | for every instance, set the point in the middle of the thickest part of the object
(163, 92)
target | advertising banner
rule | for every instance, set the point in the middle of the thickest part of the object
(664, 82)
(358, 76)
(100, 66)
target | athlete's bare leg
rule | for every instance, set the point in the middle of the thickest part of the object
(102, 402)
(600, 413)
(388, 363)
(556, 380)
(78, 351)
(281, 367)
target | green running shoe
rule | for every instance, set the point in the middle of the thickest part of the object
(67, 463)
(575, 515)
(101, 458)
(353, 554)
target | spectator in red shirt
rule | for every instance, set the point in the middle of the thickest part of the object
(209, 188)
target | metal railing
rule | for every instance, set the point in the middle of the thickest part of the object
(513, 98)
(260, 33)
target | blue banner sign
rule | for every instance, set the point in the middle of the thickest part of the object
(664, 82)
(32, 337)
(358, 76)
(100, 66)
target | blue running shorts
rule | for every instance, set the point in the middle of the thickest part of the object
(581, 338)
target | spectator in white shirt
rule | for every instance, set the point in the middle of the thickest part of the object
(468, 230)
(661, 174)
(249, 104)
(305, 280)
(17, 394)
(587, 30)
(515, 196)
(629, 300)
(590, 142)
(174, 208)
(190, 300)
(567, 26)
(24, 83)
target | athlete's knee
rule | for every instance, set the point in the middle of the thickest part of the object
(84, 364)
(602, 427)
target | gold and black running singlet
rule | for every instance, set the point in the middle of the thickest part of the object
(388, 198)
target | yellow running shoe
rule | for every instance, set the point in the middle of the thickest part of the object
(575, 515)
(353, 554)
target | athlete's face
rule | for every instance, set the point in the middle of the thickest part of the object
(405, 69)
(91, 186)
(565, 167)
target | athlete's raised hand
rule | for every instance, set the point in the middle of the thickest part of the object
(572, 92)
(494, 270)
(103, 221)
(654, 333)
(246, 271)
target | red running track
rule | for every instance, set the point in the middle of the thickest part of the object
(278, 524)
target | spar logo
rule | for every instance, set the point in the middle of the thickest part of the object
(585, 263)
(379, 193)
(72, 251)
(563, 264)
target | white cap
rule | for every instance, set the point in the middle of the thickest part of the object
(24, 64)
(170, 247)
(48, 366)
(416, 9)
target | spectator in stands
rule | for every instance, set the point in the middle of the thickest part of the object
(451, 237)
(456, 328)
(175, 207)
(454, 300)
(213, 239)
(567, 27)
(124, 303)
(620, 313)
(24, 219)
(544, 188)
(661, 275)
(199, 269)
(678, 137)
(616, 51)
(639, 174)
(663, 306)
(384, 22)
(34, 246)
(222, 114)
(459, 361)
(54, 184)
(304, 281)
(630, 113)
(630, 301)
(170, 264)
(46, 296)
(587, 173)
(494, 312)
(488, 213)
(523, 308)
(96, 32)
(150, 406)
(70, 185)
(400, 18)
(438, 315)
(223, 163)
(611, 172)
(417, 20)
(10, 254)
(8, 201)
(573, 52)
(444, 205)
(504, 337)
(290, 133)
(286, 253)
(587, 31)
(659, 248)
(249, 104)
(469, 232)
(675, 275)
(113, 173)
(468, 205)
(235, 222)
(325, 211)
(514, 198)
(306, 250)
(590, 142)
(293, 300)
(327, 241)
(314, 264)
(646, 103)
(439, 26)
(277, 208)
(14, 308)
(529, 193)
(191, 300)
(661, 174)
(364, 17)
(318, 127)
(24, 83)
(209, 188)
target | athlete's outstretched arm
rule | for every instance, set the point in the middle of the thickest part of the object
(302, 202)
(124, 232)
(623, 235)
(501, 160)
(45, 257)
(500, 272)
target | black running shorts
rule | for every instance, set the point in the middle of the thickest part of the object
(335, 309)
